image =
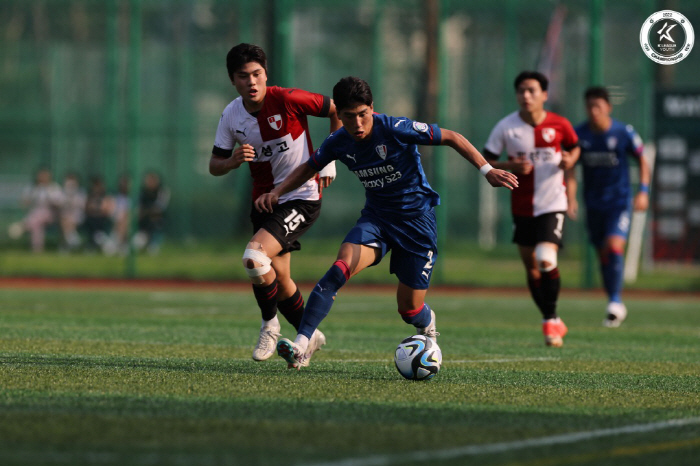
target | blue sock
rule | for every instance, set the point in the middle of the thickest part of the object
(612, 269)
(321, 299)
(419, 318)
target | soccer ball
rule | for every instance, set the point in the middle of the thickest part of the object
(418, 358)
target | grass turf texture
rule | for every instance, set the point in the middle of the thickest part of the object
(165, 377)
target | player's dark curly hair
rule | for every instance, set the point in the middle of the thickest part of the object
(351, 92)
(242, 54)
(536, 75)
(597, 92)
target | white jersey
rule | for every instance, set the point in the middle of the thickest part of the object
(542, 190)
(279, 133)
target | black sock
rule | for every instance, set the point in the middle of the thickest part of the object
(551, 283)
(292, 308)
(266, 296)
(535, 286)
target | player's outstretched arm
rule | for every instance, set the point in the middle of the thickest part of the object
(299, 176)
(336, 124)
(327, 175)
(496, 177)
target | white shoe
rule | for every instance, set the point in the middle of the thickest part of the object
(266, 343)
(430, 331)
(317, 340)
(291, 352)
(615, 314)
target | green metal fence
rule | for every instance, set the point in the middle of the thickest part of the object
(124, 86)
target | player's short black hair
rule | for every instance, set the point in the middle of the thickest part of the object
(536, 75)
(597, 92)
(351, 91)
(244, 53)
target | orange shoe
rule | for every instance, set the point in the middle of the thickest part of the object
(554, 331)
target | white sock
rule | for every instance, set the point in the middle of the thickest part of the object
(274, 323)
(302, 341)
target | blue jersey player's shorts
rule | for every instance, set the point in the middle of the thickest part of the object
(604, 223)
(412, 242)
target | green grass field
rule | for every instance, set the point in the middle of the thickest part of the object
(117, 377)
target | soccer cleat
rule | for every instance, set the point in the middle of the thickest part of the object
(291, 352)
(317, 340)
(615, 314)
(554, 331)
(266, 343)
(430, 331)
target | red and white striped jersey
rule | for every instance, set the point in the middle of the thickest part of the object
(279, 133)
(542, 190)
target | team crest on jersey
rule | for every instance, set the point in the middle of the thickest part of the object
(612, 142)
(548, 134)
(420, 127)
(275, 121)
(381, 150)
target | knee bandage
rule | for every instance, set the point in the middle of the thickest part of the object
(256, 273)
(544, 253)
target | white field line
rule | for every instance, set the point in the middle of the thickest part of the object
(185, 459)
(501, 447)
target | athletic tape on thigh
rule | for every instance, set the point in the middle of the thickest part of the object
(546, 253)
(259, 257)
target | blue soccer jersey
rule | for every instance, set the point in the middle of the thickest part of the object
(605, 161)
(388, 164)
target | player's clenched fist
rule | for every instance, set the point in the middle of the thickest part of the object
(242, 153)
(266, 202)
(568, 159)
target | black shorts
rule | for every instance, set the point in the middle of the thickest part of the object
(287, 222)
(549, 227)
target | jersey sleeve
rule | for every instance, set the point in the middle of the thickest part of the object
(495, 143)
(415, 132)
(636, 143)
(569, 138)
(323, 155)
(301, 102)
(224, 140)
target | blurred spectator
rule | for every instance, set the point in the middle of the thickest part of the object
(119, 206)
(72, 212)
(44, 199)
(98, 221)
(153, 201)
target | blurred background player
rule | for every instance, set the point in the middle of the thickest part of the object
(268, 126)
(540, 145)
(398, 214)
(605, 146)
